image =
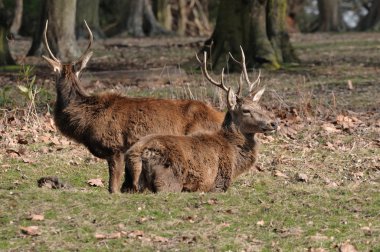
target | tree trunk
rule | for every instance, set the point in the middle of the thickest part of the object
(162, 8)
(17, 19)
(37, 47)
(182, 17)
(258, 26)
(141, 20)
(372, 19)
(61, 31)
(5, 20)
(277, 32)
(330, 18)
(88, 10)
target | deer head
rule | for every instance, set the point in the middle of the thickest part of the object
(245, 111)
(72, 67)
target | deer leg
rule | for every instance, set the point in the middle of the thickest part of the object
(115, 167)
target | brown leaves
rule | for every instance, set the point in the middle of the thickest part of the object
(30, 230)
(347, 122)
(347, 247)
(135, 234)
(330, 128)
(36, 217)
(97, 182)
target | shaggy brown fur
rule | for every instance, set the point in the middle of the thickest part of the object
(201, 161)
(109, 124)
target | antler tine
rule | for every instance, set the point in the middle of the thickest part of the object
(90, 43)
(257, 81)
(46, 43)
(244, 69)
(207, 75)
(238, 93)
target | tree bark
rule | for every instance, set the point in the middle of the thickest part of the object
(372, 19)
(162, 8)
(37, 47)
(88, 10)
(17, 19)
(5, 20)
(258, 26)
(330, 17)
(141, 20)
(61, 30)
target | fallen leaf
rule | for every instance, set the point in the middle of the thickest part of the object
(347, 247)
(95, 182)
(30, 230)
(160, 239)
(367, 231)
(349, 85)
(135, 233)
(141, 220)
(302, 177)
(330, 128)
(316, 250)
(116, 235)
(212, 201)
(318, 237)
(100, 236)
(280, 174)
(260, 223)
(36, 217)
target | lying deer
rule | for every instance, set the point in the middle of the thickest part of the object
(203, 161)
(108, 124)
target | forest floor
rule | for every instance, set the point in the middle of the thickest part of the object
(315, 187)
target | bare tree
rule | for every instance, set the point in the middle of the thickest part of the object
(61, 16)
(372, 19)
(330, 16)
(258, 26)
(139, 16)
(88, 10)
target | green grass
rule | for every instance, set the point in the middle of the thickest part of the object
(296, 215)
(261, 211)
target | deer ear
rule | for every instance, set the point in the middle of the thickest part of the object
(56, 66)
(82, 63)
(258, 95)
(231, 99)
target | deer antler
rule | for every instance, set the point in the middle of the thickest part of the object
(47, 44)
(89, 44)
(220, 84)
(207, 75)
(245, 73)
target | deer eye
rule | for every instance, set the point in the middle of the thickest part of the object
(246, 111)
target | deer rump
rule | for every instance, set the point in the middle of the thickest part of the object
(177, 163)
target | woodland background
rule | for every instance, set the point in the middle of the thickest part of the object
(316, 184)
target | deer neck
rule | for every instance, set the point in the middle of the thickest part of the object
(245, 146)
(69, 91)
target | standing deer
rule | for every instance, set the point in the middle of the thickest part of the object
(108, 124)
(203, 161)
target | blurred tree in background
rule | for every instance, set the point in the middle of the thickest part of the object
(5, 22)
(260, 26)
